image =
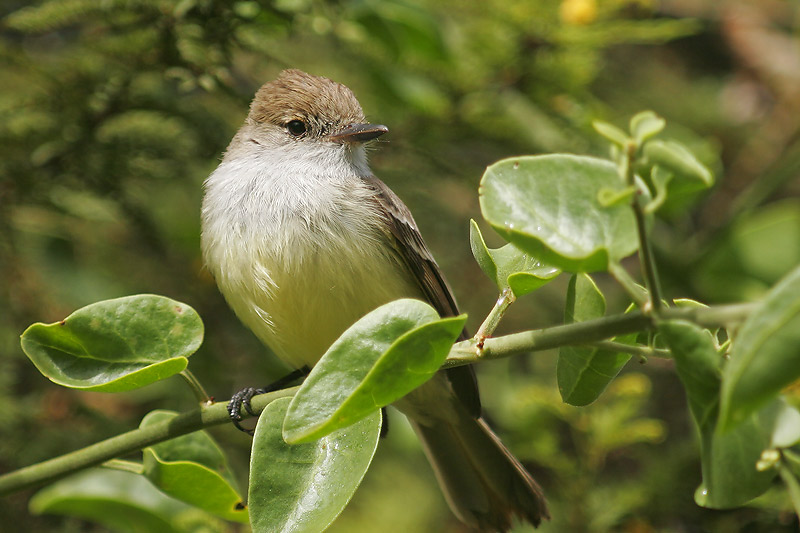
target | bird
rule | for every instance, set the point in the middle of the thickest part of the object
(303, 240)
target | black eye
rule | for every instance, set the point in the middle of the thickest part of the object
(296, 127)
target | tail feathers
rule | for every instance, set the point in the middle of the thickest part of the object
(484, 484)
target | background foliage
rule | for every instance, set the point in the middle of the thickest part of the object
(112, 113)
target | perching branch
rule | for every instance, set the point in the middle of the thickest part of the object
(121, 445)
(465, 352)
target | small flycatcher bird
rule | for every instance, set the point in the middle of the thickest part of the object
(303, 240)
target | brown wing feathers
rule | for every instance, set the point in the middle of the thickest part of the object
(407, 241)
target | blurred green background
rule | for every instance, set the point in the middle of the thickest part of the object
(113, 112)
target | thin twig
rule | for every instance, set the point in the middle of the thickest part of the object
(637, 293)
(646, 257)
(503, 302)
(197, 388)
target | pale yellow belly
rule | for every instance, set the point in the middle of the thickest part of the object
(298, 310)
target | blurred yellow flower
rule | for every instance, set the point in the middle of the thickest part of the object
(578, 12)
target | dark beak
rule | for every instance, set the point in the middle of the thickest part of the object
(359, 133)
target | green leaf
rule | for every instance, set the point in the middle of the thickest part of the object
(764, 358)
(688, 303)
(193, 469)
(611, 197)
(645, 125)
(583, 373)
(116, 345)
(698, 365)
(675, 157)
(303, 487)
(730, 478)
(379, 359)
(121, 501)
(508, 266)
(548, 207)
(661, 179)
(481, 252)
(729, 459)
(611, 132)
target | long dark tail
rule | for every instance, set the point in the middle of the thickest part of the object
(484, 484)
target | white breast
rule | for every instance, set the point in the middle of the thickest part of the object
(297, 252)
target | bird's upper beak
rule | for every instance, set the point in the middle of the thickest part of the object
(359, 133)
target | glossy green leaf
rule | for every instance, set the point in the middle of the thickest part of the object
(379, 359)
(193, 469)
(645, 125)
(764, 358)
(121, 501)
(548, 207)
(509, 267)
(302, 488)
(116, 345)
(583, 373)
(675, 157)
(728, 460)
(611, 132)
